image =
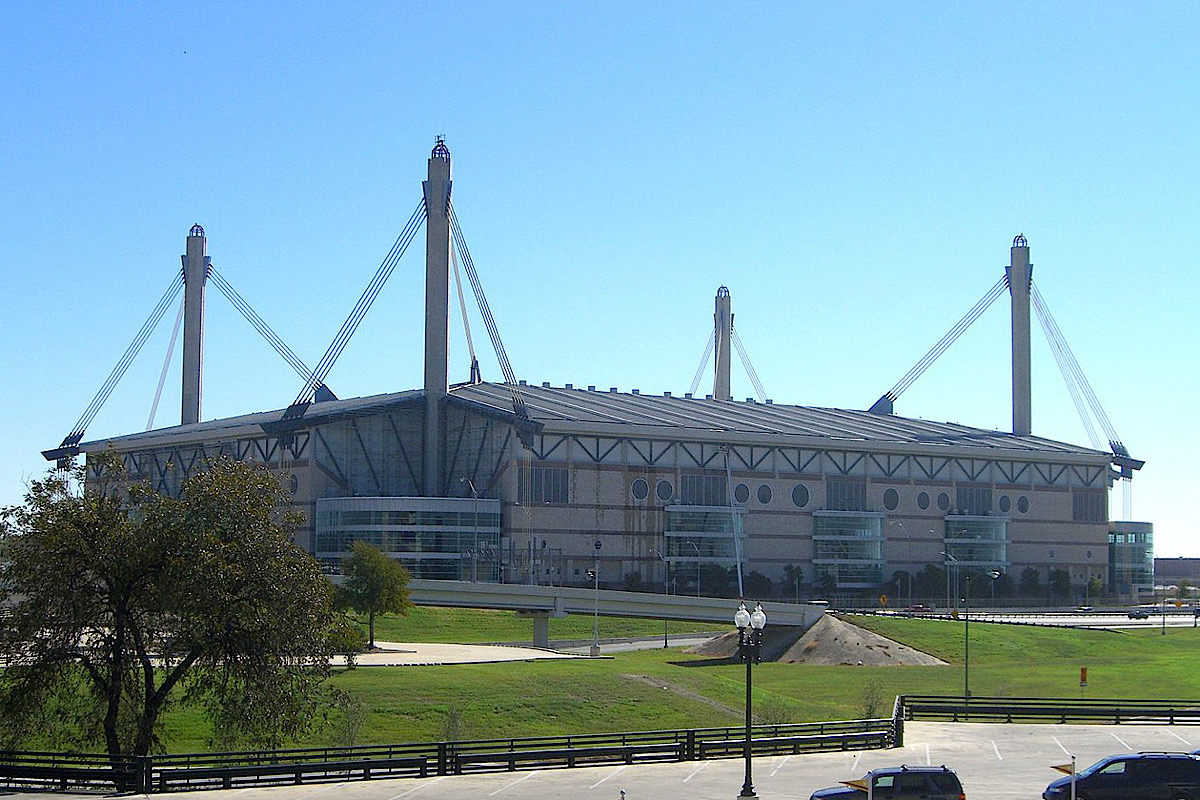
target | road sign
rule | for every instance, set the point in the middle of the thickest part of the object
(883, 599)
(1083, 676)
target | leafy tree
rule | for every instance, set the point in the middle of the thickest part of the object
(375, 584)
(122, 601)
(793, 576)
(1030, 584)
(931, 581)
(758, 585)
(1059, 583)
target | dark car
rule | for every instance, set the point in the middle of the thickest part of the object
(898, 783)
(1133, 776)
(1139, 613)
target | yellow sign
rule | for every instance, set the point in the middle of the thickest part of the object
(1063, 768)
(883, 599)
(1178, 603)
(859, 784)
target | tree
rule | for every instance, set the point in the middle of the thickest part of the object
(123, 600)
(793, 576)
(1059, 583)
(1030, 584)
(758, 585)
(375, 584)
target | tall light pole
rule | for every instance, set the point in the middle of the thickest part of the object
(909, 570)
(750, 631)
(697, 549)
(967, 638)
(950, 562)
(994, 574)
(596, 603)
(474, 527)
(666, 589)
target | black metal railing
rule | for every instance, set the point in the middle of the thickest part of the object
(1046, 709)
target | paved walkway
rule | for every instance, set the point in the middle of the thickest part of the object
(410, 654)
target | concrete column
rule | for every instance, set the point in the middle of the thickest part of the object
(437, 310)
(1020, 277)
(195, 273)
(723, 330)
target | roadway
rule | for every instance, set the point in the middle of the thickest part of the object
(995, 761)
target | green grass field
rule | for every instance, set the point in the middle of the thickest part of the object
(662, 689)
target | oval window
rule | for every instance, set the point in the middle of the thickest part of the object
(1023, 504)
(764, 494)
(891, 499)
(923, 500)
(800, 495)
(640, 489)
(741, 493)
(1005, 503)
(944, 501)
(663, 491)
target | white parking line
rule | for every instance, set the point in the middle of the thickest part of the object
(1180, 738)
(1060, 745)
(854, 763)
(696, 771)
(514, 783)
(416, 789)
(779, 766)
(1120, 740)
(928, 757)
(606, 777)
(997, 749)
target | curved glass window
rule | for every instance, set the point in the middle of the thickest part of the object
(764, 494)
(741, 493)
(800, 495)
(1023, 504)
(664, 490)
(923, 500)
(891, 499)
(944, 501)
(640, 489)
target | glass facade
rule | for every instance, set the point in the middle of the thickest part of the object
(977, 542)
(848, 548)
(702, 533)
(434, 537)
(1131, 558)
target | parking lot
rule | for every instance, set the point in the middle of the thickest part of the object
(994, 761)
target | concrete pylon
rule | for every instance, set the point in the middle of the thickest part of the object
(437, 309)
(195, 273)
(723, 331)
(1020, 279)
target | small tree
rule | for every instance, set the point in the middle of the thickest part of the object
(122, 600)
(375, 584)
(1059, 583)
(1030, 584)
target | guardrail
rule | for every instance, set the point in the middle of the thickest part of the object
(163, 773)
(1035, 709)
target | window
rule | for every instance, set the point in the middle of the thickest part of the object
(800, 495)
(640, 489)
(664, 490)
(891, 499)
(845, 494)
(1089, 506)
(741, 493)
(974, 500)
(703, 490)
(544, 485)
(944, 501)
(1023, 504)
(1005, 503)
(923, 500)
(764, 494)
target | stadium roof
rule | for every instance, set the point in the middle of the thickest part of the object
(567, 410)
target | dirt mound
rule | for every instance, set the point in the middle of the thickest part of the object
(834, 641)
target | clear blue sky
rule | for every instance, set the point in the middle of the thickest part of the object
(854, 173)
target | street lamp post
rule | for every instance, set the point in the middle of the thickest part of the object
(666, 589)
(951, 563)
(750, 631)
(994, 574)
(474, 527)
(910, 566)
(967, 638)
(596, 603)
(697, 549)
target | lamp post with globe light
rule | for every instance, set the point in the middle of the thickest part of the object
(750, 632)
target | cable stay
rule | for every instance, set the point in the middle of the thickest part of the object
(525, 426)
(462, 305)
(708, 348)
(884, 404)
(1069, 365)
(265, 330)
(162, 376)
(317, 376)
(1061, 358)
(70, 443)
(745, 359)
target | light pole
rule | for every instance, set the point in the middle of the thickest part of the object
(750, 631)
(666, 588)
(697, 549)
(950, 562)
(596, 603)
(967, 638)
(474, 526)
(994, 574)
(910, 566)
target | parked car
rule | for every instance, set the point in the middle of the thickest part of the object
(920, 607)
(899, 783)
(1133, 776)
(1139, 613)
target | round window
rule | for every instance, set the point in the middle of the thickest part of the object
(1005, 503)
(764, 494)
(800, 495)
(891, 499)
(663, 491)
(741, 493)
(944, 501)
(1023, 504)
(923, 500)
(640, 489)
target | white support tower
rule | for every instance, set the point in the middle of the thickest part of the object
(437, 309)
(723, 331)
(1020, 277)
(195, 274)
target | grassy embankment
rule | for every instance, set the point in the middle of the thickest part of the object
(655, 689)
